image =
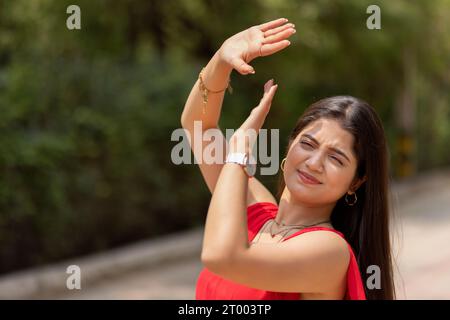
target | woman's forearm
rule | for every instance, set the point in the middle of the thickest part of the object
(215, 77)
(226, 222)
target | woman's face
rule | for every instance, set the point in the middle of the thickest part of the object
(325, 151)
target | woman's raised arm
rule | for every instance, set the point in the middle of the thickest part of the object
(235, 53)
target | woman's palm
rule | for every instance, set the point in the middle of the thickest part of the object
(262, 40)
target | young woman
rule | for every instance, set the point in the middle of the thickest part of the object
(331, 221)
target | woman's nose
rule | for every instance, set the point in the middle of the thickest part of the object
(314, 162)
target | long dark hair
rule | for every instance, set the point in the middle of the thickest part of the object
(366, 224)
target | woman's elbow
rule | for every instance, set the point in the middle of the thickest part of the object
(214, 262)
(183, 120)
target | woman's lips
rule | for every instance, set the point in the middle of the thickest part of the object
(307, 178)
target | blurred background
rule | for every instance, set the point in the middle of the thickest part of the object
(87, 116)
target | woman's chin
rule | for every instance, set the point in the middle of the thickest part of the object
(300, 191)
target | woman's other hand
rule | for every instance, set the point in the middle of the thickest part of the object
(244, 138)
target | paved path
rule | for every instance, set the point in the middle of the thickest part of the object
(423, 229)
(424, 259)
(176, 281)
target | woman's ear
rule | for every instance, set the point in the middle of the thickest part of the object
(358, 183)
(363, 179)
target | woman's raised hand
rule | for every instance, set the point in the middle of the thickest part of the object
(257, 41)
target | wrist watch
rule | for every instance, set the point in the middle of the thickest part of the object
(245, 160)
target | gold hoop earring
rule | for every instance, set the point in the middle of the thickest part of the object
(352, 203)
(282, 164)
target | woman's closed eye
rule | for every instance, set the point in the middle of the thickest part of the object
(309, 146)
(336, 159)
(306, 144)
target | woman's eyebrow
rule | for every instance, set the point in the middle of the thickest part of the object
(331, 148)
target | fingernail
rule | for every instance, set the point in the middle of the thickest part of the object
(289, 43)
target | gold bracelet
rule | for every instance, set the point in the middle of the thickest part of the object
(204, 90)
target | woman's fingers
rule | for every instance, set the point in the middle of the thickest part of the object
(259, 113)
(279, 29)
(276, 32)
(268, 85)
(269, 92)
(272, 24)
(279, 36)
(241, 66)
(271, 48)
(245, 135)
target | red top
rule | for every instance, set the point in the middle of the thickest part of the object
(213, 287)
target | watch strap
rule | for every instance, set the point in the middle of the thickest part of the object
(237, 157)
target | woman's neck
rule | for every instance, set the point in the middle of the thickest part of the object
(294, 212)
